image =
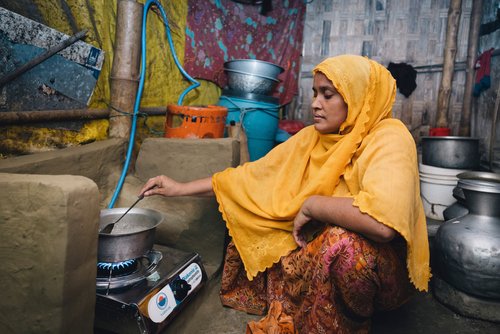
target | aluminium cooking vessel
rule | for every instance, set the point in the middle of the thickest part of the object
(132, 237)
(467, 247)
(477, 178)
(450, 152)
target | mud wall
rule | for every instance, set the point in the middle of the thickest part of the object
(48, 247)
(99, 161)
(48, 223)
(191, 223)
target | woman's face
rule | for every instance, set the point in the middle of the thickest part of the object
(328, 107)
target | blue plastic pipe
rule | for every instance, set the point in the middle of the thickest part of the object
(138, 97)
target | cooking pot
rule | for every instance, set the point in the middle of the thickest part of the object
(466, 247)
(450, 152)
(132, 237)
(480, 181)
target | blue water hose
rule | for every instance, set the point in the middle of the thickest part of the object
(138, 97)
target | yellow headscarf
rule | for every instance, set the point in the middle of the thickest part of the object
(259, 200)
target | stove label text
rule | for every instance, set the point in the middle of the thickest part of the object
(164, 302)
(192, 275)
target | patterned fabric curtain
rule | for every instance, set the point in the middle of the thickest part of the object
(222, 30)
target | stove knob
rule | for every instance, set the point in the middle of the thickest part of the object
(180, 288)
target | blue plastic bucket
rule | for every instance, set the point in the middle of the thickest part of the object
(259, 119)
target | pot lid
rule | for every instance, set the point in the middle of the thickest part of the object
(480, 176)
(448, 138)
(486, 186)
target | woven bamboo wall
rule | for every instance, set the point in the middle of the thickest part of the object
(406, 31)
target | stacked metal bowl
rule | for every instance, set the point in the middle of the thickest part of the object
(252, 76)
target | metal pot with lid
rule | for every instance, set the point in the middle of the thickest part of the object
(467, 247)
(482, 181)
(480, 191)
(132, 237)
(450, 152)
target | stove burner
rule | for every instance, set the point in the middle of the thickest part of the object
(106, 269)
(123, 274)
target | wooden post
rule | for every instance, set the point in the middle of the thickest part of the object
(125, 71)
(236, 131)
(448, 63)
(475, 24)
(493, 134)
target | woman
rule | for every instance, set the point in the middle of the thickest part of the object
(328, 227)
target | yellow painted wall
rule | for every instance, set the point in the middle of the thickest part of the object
(163, 84)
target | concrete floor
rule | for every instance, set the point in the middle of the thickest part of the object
(425, 315)
(421, 315)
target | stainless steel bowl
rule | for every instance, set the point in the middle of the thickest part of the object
(255, 66)
(245, 82)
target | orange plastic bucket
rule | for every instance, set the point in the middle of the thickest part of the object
(195, 121)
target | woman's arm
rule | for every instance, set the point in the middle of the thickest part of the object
(341, 212)
(165, 186)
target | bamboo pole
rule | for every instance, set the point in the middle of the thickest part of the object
(475, 24)
(450, 52)
(38, 116)
(124, 78)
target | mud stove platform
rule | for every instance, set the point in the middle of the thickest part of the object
(143, 295)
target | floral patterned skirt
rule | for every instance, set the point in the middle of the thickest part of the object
(334, 285)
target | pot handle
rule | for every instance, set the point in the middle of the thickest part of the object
(458, 193)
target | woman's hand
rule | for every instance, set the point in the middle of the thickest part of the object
(298, 223)
(165, 186)
(161, 185)
(338, 211)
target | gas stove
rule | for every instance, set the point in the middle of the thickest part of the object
(144, 295)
